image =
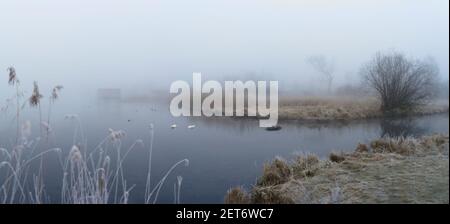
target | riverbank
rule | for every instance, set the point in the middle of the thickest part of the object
(345, 108)
(388, 170)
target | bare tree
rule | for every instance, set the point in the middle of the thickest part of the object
(326, 68)
(399, 82)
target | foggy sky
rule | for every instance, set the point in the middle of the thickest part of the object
(105, 43)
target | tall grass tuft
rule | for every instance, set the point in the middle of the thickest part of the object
(305, 165)
(237, 195)
(274, 173)
(336, 157)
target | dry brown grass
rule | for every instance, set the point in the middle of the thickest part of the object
(327, 108)
(270, 195)
(237, 195)
(390, 170)
(258, 195)
(305, 165)
(336, 157)
(344, 108)
(274, 173)
(361, 148)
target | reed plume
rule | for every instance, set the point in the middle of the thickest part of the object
(75, 154)
(116, 135)
(12, 76)
(55, 92)
(14, 81)
(36, 96)
(53, 97)
(35, 101)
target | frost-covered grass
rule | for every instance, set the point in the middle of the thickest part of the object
(90, 175)
(389, 170)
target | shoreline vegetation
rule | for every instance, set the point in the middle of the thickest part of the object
(328, 108)
(312, 109)
(388, 170)
(89, 174)
(347, 108)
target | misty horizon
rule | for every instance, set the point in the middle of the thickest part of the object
(144, 45)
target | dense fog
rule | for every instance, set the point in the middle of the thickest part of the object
(143, 45)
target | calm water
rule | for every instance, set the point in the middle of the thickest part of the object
(222, 152)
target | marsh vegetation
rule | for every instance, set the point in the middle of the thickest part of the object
(347, 108)
(89, 174)
(388, 170)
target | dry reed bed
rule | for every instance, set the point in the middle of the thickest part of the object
(89, 175)
(344, 108)
(388, 170)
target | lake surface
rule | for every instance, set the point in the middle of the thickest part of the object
(222, 152)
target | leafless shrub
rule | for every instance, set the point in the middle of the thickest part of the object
(400, 83)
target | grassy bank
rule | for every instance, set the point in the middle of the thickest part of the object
(388, 170)
(344, 108)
